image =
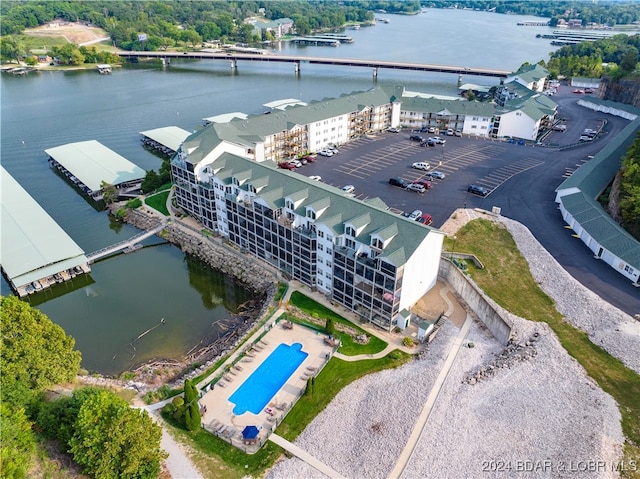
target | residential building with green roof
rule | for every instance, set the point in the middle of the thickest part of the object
(358, 253)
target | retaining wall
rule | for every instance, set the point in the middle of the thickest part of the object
(494, 317)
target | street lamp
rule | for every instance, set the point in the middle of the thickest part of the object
(453, 247)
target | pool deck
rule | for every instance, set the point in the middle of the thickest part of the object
(217, 410)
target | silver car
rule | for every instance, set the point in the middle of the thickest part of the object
(416, 187)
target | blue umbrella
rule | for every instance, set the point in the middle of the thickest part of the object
(250, 432)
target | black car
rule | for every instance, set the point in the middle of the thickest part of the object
(398, 182)
(416, 138)
(478, 190)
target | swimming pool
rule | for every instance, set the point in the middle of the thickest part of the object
(258, 389)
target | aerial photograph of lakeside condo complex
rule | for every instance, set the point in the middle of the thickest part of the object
(287, 240)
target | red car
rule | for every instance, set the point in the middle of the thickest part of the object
(425, 183)
(425, 219)
(578, 91)
(310, 158)
(285, 165)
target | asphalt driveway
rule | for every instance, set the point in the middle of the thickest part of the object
(521, 180)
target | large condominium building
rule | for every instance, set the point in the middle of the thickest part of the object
(370, 260)
(358, 253)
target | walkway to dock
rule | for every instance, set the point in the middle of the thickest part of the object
(129, 243)
(305, 456)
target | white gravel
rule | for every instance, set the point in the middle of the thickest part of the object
(541, 412)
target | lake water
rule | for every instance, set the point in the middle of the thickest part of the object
(130, 294)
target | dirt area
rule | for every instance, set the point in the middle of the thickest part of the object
(77, 33)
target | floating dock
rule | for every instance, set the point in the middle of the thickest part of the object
(36, 252)
(88, 163)
(166, 140)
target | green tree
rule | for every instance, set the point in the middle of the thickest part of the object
(109, 192)
(192, 417)
(111, 439)
(330, 327)
(36, 353)
(11, 49)
(18, 442)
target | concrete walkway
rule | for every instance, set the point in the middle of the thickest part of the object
(398, 469)
(301, 454)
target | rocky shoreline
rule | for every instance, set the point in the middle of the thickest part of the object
(250, 274)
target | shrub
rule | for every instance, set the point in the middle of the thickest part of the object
(408, 341)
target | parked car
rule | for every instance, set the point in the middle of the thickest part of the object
(457, 133)
(438, 140)
(295, 163)
(310, 158)
(316, 178)
(416, 138)
(416, 188)
(415, 214)
(325, 153)
(431, 129)
(398, 182)
(394, 130)
(348, 188)
(478, 190)
(285, 165)
(588, 91)
(425, 183)
(561, 128)
(421, 165)
(578, 91)
(438, 175)
(425, 219)
(450, 132)
(586, 138)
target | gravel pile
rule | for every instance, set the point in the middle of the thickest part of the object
(537, 410)
(607, 326)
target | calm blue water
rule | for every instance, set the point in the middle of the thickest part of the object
(256, 392)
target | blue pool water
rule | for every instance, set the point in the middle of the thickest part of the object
(258, 389)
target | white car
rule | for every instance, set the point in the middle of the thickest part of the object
(437, 175)
(394, 130)
(416, 187)
(415, 215)
(316, 178)
(421, 165)
(325, 153)
(295, 163)
(438, 140)
(348, 188)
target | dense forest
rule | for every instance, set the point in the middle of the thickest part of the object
(628, 203)
(617, 56)
(98, 429)
(167, 24)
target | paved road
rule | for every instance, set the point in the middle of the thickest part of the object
(522, 180)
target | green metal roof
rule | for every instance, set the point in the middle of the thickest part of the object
(34, 246)
(531, 73)
(92, 162)
(449, 107)
(341, 208)
(169, 136)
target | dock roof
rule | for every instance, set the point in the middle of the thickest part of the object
(169, 136)
(34, 246)
(92, 163)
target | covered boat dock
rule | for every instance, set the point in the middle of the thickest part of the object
(88, 163)
(166, 140)
(36, 252)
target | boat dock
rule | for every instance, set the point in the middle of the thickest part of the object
(567, 37)
(90, 164)
(103, 69)
(36, 252)
(166, 140)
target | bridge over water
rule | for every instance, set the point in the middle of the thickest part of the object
(123, 245)
(234, 58)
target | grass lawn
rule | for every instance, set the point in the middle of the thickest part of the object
(349, 347)
(159, 202)
(506, 278)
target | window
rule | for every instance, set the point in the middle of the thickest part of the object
(311, 214)
(329, 238)
(328, 263)
(319, 282)
(349, 243)
(329, 251)
(628, 269)
(289, 204)
(349, 231)
(376, 243)
(320, 247)
(320, 234)
(328, 275)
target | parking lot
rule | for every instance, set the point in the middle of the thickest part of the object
(368, 163)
